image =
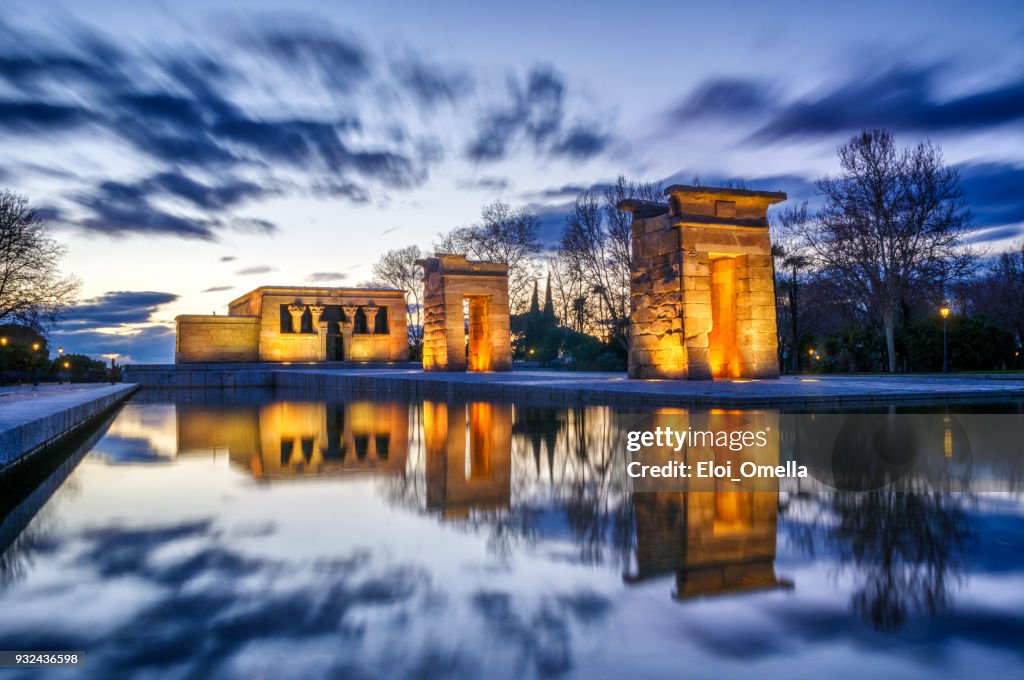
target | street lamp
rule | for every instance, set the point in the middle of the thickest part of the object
(60, 357)
(944, 313)
(3, 359)
(35, 363)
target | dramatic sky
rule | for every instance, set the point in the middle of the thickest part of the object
(189, 151)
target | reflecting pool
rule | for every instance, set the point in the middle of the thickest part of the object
(257, 534)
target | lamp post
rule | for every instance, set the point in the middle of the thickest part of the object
(944, 313)
(35, 363)
(3, 360)
(60, 360)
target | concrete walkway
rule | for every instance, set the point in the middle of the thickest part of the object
(561, 388)
(33, 419)
(615, 388)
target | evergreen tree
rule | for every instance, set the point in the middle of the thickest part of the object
(549, 305)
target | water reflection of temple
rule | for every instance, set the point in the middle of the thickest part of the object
(468, 451)
(296, 438)
(715, 542)
(722, 538)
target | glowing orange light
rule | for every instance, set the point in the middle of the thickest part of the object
(723, 348)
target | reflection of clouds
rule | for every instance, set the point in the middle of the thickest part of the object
(198, 607)
(541, 638)
(140, 433)
(119, 450)
(204, 603)
(192, 570)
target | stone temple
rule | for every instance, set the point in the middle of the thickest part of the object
(702, 303)
(299, 324)
(702, 287)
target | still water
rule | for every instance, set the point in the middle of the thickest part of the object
(278, 536)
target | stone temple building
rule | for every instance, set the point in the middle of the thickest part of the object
(466, 315)
(281, 324)
(702, 288)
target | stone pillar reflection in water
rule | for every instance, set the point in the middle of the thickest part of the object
(462, 478)
(720, 538)
(301, 438)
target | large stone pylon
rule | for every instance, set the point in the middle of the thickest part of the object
(702, 288)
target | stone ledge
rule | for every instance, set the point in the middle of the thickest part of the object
(34, 425)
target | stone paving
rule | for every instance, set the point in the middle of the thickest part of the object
(13, 393)
(35, 417)
(616, 388)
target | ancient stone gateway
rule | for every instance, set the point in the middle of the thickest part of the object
(466, 315)
(702, 288)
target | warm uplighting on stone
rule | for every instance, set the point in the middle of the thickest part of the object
(289, 324)
(703, 291)
(299, 438)
(450, 281)
(722, 538)
(467, 473)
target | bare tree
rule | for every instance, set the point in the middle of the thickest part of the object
(999, 293)
(502, 235)
(397, 268)
(568, 295)
(32, 291)
(893, 222)
(596, 244)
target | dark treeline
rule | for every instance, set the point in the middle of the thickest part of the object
(860, 281)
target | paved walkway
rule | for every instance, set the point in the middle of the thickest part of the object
(34, 418)
(615, 387)
(13, 393)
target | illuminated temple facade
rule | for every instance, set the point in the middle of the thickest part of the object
(299, 324)
(702, 288)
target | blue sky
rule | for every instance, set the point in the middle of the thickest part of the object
(187, 152)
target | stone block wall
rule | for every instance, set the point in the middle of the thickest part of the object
(216, 339)
(276, 345)
(449, 281)
(702, 288)
(257, 328)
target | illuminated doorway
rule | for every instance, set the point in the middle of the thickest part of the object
(477, 311)
(723, 349)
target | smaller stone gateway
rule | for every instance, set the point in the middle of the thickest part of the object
(702, 287)
(466, 315)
